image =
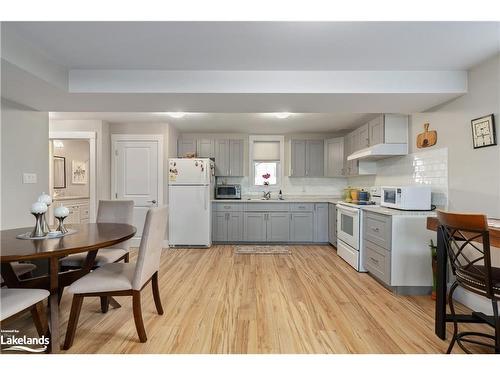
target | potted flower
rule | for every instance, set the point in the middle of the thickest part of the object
(266, 177)
(434, 268)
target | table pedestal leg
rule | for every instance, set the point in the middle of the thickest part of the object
(54, 305)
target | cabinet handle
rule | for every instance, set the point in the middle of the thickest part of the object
(374, 260)
(375, 229)
(227, 207)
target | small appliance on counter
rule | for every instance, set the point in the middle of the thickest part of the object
(408, 198)
(225, 191)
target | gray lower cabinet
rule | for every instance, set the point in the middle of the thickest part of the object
(321, 222)
(301, 227)
(377, 261)
(228, 227)
(278, 226)
(332, 224)
(255, 227)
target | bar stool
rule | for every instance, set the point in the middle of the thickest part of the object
(467, 243)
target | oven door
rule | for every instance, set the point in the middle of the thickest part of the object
(348, 225)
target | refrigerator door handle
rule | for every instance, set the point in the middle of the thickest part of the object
(205, 200)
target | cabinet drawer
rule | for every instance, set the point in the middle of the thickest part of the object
(268, 206)
(84, 211)
(233, 207)
(377, 229)
(378, 262)
(302, 206)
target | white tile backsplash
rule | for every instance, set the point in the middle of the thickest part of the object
(428, 167)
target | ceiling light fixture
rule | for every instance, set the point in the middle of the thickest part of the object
(282, 115)
(176, 114)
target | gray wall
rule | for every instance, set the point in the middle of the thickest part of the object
(25, 149)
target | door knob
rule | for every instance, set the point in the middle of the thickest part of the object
(153, 201)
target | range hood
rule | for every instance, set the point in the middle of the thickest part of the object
(380, 151)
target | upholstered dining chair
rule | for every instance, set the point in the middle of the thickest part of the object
(468, 247)
(116, 211)
(15, 301)
(21, 269)
(125, 279)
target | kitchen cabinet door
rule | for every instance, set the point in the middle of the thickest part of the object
(235, 227)
(302, 225)
(255, 227)
(334, 157)
(332, 224)
(205, 148)
(321, 222)
(298, 158)
(222, 157)
(315, 158)
(278, 226)
(220, 226)
(376, 128)
(236, 157)
(186, 146)
(363, 137)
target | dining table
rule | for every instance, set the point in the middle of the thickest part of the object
(83, 238)
(441, 317)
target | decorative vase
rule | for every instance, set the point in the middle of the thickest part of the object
(47, 199)
(45, 225)
(38, 230)
(61, 228)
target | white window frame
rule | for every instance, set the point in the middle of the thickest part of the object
(280, 167)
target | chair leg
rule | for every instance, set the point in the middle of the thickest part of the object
(126, 259)
(76, 307)
(156, 293)
(40, 319)
(139, 323)
(455, 323)
(497, 326)
(104, 304)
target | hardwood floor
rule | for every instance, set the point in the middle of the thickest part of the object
(217, 302)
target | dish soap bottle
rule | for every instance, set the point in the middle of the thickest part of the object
(280, 196)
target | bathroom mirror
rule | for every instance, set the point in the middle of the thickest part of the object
(59, 164)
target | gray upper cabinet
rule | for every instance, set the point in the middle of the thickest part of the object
(332, 224)
(205, 148)
(321, 222)
(186, 146)
(307, 158)
(362, 137)
(301, 227)
(236, 157)
(315, 158)
(298, 158)
(278, 226)
(376, 129)
(229, 157)
(334, 157)
(222, 157)
(351, 143)
(255, 227)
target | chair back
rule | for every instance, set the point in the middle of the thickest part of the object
(117, 211)
(150, 249)
(467, 243)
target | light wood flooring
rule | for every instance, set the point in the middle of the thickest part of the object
(218, 302)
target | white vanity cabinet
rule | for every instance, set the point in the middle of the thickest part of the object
(78, 210)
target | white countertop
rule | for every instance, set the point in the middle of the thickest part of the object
(291, 199)
(69, 197)
(393, 212)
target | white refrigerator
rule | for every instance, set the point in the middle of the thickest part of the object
(190, 191)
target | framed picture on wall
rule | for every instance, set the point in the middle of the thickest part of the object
(78, 172)
(483, 131)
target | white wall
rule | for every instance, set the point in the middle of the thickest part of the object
(25, 149)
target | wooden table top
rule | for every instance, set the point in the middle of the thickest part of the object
(493, 228)
(87, 238)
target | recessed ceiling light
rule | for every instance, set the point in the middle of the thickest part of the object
(176, 114)
(282, 114)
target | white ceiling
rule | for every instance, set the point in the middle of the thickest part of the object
(257, 123)
(264, 45)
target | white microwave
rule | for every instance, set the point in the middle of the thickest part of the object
(406, 197)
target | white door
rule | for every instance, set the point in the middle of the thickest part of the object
(136, 176)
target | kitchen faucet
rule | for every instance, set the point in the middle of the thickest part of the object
(267, 195)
